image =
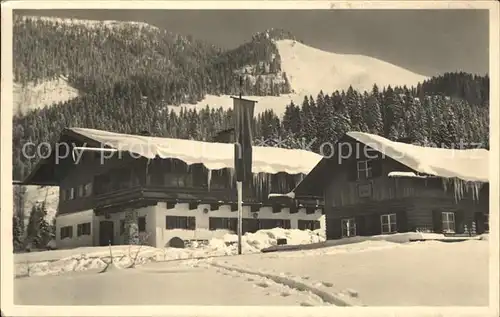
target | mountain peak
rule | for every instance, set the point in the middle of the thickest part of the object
(274, 34)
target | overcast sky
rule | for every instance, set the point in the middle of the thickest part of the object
(428, 42)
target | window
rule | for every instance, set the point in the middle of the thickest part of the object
(122, 226)
(487, 223)
(448, 219)
(364, 170)
(80, 191)
(348, 227)
(121, 178)
(220, 179)
(308, 224)
(180, 222)
(364, 190)
(87, 190)
(199, 176)
(175, 180)
(215, 223)
(66, 232)
(388, 223)
(83, 229)
(274, 223)
(141, 222)
(283, 223)
(71, 193)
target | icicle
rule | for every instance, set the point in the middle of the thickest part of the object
(209, 176)
(232, 177)
(445, 184)
(477, 187)
(261, 182)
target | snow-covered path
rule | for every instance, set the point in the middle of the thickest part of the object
(175, 283)
(365, 271)
(427, 273)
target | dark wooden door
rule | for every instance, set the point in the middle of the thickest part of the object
(106, 233)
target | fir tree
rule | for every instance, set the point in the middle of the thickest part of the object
(38, 231)
(17, 232)
(131, 227)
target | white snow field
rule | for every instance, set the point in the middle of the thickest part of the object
(310, 70)
(369, 271)
(36, 96)
(85, 258)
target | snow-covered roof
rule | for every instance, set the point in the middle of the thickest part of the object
(405, 174)
(213, 156)
(465, 164)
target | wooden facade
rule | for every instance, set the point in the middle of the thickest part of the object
(361, 199)
(92, 185)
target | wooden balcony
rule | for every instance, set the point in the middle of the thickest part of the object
(202, 195)
(160, 193)
(153, 193)
(118, 197)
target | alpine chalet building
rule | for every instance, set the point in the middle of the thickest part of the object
(178, 188)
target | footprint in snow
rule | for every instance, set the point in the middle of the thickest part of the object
(262, 284)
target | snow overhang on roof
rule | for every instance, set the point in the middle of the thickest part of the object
(213, 156)
(465, 164)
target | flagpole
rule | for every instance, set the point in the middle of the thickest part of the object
(239, 186)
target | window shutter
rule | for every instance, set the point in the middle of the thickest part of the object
(437, 221)
(459, 221)
(402, 221)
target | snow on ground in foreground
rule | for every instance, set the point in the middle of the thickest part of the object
(33, 96)
(87, 258)
(427, 273)
(158, 284)
(81, 259)
(400, 274)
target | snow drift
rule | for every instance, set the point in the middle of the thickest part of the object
(90, 258)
